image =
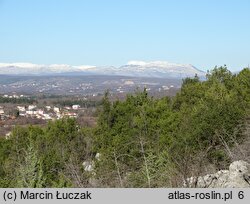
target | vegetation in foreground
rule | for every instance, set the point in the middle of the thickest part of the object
(140, 142)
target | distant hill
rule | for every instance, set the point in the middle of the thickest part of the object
(155, 69)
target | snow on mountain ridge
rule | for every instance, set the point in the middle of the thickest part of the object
(132, 68)
(21, 65)
(161, 66)
(85, 67)
(155, 63)
(57, 68)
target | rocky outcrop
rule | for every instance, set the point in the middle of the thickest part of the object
(238, 176)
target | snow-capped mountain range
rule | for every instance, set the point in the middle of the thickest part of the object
(159, 69)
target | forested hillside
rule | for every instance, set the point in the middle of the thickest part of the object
(138, 142)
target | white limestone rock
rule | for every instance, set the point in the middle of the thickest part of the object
(238, 176)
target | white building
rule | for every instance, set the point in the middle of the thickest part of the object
(48, 108)
(40, 111)
(76, 107)
(21, 108)
(56, 109)
(30, 112)
(1, 111)
(22, 113)
(31, 107)
(47, 117)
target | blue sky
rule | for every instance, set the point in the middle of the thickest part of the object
(204, 33)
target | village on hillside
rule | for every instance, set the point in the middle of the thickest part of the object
(13, 114)
(45, 113)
